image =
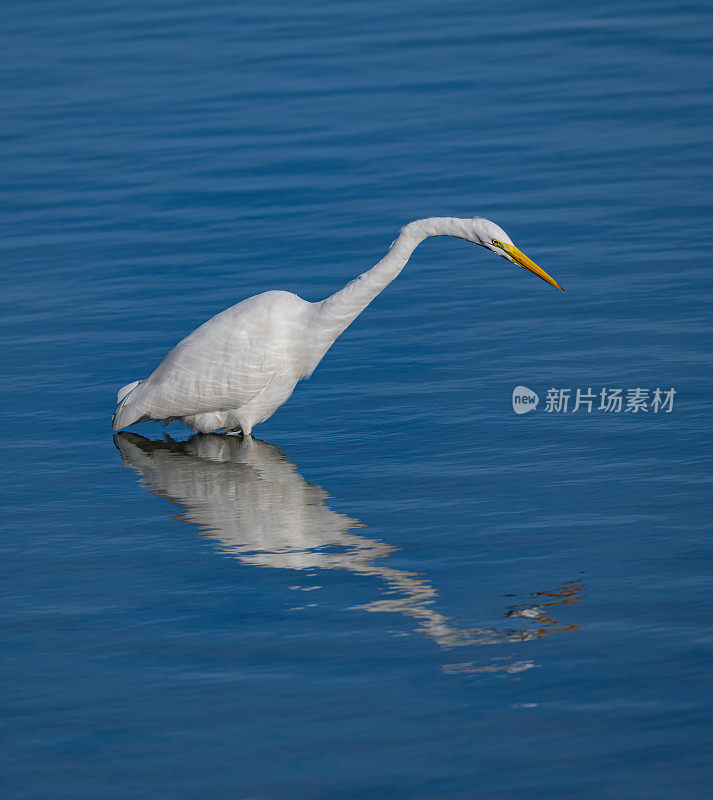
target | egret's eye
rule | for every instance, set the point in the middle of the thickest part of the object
(497, 243)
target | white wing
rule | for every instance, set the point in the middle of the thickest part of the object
(225, 362)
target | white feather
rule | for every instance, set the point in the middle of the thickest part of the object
(125, 390)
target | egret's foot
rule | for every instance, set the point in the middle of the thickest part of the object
(238, 432)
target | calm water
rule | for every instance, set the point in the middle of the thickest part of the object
(401, 589)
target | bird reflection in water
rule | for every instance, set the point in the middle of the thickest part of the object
(257, 507)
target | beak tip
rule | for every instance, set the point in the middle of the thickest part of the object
(519, 258)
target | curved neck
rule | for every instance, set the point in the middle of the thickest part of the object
(342, 308)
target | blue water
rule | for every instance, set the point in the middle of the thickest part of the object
(402, 589)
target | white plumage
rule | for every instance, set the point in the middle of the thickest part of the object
(239, 367)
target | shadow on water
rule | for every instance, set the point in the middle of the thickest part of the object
(258, 508)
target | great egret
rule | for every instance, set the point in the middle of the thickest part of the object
(237, 369)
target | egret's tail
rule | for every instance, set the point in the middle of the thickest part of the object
(124, 391)
(127, 411)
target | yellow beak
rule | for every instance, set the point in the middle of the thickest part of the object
(527, 263)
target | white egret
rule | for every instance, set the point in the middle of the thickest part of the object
(239, 367)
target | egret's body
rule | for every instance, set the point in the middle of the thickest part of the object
(239, 367)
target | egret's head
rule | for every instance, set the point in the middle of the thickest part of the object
(488, 234)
